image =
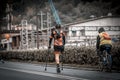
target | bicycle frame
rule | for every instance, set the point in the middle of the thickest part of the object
(106, 61)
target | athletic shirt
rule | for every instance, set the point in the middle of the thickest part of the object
(57, 41)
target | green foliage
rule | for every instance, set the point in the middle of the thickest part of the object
(68, 10)
(74, 55)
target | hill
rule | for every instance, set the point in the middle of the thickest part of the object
(68, 10)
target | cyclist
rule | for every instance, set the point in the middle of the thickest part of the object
(103, 42)
(59, 42)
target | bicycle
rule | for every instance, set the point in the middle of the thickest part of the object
(105, 61)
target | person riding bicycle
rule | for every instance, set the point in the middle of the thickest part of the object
(103, 42)
(59, 42)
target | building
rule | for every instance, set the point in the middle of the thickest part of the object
(26, 35)
(77, 33)
(14, 40)
(85, 32)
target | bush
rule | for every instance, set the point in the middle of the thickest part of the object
(73, 55)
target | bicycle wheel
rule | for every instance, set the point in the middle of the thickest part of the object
(101, 63)
(100, 66)
(104, 61)
(109, 62)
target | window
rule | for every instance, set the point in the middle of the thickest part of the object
(115, 28)
(82, 32)
(73, 33)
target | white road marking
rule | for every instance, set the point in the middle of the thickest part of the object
(46, 74)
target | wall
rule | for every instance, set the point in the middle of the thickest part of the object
(90, 28)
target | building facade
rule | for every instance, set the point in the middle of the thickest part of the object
(85, 32)
(78, 33)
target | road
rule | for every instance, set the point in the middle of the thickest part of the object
(28, 71)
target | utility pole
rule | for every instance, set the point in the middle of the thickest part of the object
(32, 38)
(48, 26)
(9, 16)
(9, 22)
(37, 19)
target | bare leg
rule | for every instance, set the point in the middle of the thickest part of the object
(57, 54)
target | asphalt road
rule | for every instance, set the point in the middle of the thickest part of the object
(28, 71)
(16, 75)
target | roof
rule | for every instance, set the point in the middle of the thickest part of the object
(9, 31)
(92, 19)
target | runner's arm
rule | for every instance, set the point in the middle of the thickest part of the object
(50, 39)
(98, 42)
(64, 39)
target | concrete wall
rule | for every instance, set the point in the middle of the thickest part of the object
(111, 25)
(108, 21)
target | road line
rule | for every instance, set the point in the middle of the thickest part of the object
(46, 74)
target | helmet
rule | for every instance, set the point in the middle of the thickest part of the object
(58, 26)
(101, 30)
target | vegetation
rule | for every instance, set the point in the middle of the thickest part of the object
(74, 55)
(68, 10)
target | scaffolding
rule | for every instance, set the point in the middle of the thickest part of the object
(31, 39)
(44, 29)
(24, 35)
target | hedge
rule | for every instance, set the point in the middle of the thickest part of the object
(71, 55)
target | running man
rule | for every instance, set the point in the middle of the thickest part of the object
(59, 42)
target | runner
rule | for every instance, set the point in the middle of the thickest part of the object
(59, 42)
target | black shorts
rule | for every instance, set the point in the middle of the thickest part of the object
(59, 48)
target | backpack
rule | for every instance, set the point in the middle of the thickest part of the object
(106, 36)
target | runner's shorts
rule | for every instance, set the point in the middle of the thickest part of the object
(59, 48)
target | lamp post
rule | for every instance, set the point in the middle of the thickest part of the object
(7, 36)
